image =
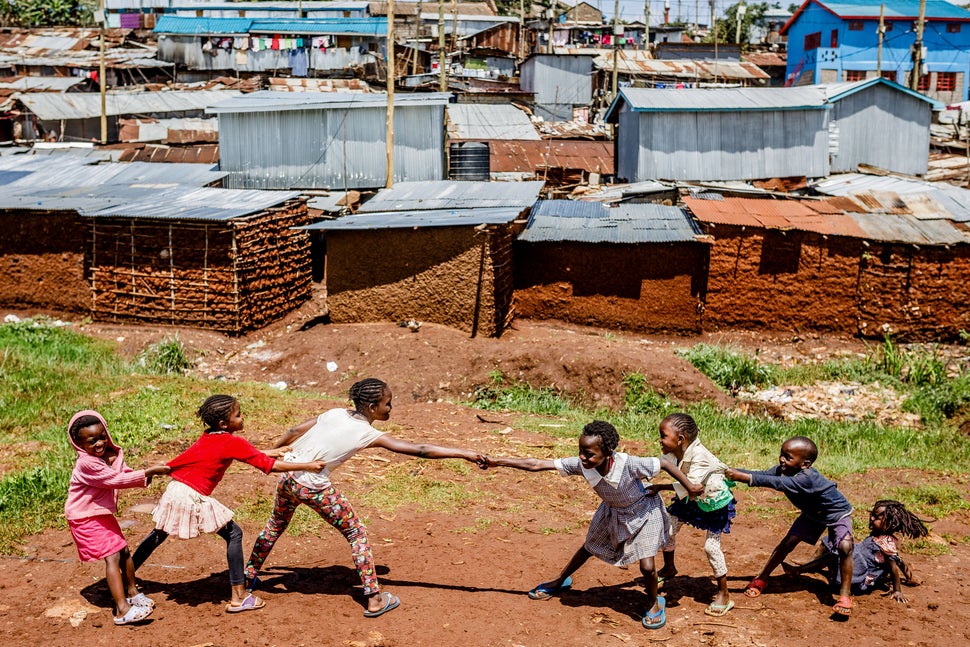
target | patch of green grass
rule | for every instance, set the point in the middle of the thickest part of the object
(257, 509)
(502, 396)
(729, 369)
(166, 357)
(761, 511)
(481, 525)
(931, 500)
(924, 546)
(404, 485)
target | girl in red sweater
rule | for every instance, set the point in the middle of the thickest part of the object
(186, 509)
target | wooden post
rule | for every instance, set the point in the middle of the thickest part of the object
(616, 73)
(390, 94)
(882, 35)
(918, 47)
(443, 75)
(102, 81)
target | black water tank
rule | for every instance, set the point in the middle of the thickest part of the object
(468, 161)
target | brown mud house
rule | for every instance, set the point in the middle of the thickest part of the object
(229, 260)
(106, 242)
(437, 252)
(828, 264)
(631, 266)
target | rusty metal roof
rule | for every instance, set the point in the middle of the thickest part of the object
(528, 156)
(639, 62)
(198, 154)
(824, 217)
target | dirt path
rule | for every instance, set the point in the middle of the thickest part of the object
(462, 572)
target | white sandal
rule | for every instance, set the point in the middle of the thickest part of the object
(135, 614)
(142, 600)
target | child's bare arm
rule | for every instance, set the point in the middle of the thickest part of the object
(527, 464)
(277, 452)
(911, 580)
(295, 432)
(896, 572)
(693, 489)
(156, 470)
(737, 475)
(283, 466)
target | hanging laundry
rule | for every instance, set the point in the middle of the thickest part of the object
(275, 43)
(298, 62)
(242, 57)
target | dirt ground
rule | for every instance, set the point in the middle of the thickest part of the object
(462, 575)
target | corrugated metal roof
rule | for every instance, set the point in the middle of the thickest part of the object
(88, 105)
(6, 177)
(896, 10)
(183, 26)
(953, 201)
(533, 156)
(620, 192)
(640, 62)
(907, 229)
(772, 214)
(482, 121)
(420, 218)
(723, 99)
(187, 203)
(839, 91)
(356, 26)
(49, 172)
(594, 222)
(267, 101)
(42, 83)
(450, 194)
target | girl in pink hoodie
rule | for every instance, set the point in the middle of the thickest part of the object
(92, 500)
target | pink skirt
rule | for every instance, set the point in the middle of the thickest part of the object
(184, 513)
(97, 537)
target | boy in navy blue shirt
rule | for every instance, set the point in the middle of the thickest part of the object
(822, 507)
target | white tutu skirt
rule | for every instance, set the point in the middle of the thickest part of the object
(184, 513)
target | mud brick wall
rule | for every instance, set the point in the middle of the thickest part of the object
(637, 287)
(230, 276)
(42, 261)
(434, 274)
(782, 281)
(802, 281)
(921, 292)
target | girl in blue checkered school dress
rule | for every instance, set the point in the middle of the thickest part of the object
(630, 524)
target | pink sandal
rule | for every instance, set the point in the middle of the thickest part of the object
(755, 588)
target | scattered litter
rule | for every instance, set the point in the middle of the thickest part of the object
(279, 386)
(505, 431)
(849, 401)
(332, 366)
(11, 319)
(165, 425)
(256, 344)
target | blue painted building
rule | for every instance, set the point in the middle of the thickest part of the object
(834, 41)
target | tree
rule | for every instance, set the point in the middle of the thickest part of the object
(47, 13)
(726, 28)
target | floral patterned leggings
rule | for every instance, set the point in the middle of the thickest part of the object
(334, 508)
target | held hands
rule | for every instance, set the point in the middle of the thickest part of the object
(479, 459)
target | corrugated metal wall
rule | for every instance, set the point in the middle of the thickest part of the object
(559, 83)
(329, 149)
(737, 145)
(882, 127)
(628, 156)
(187, 51)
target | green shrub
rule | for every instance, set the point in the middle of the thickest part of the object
(728, 369)
(167, 357)
(519, 396)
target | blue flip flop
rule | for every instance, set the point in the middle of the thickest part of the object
(659, 619)
(393, 602)
(546, 590)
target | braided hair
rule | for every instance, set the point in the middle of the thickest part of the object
(367, 391)
(81, 423)
(215, 409)
(609, 438)
(684, 425)
(899, 519)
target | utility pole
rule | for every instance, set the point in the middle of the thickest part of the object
(739, 14)
(520, 50)
(646, 24)
(918, 47)
(550, 14)
(616, 24)
(713, 30)
(442, 74)
(102, 81)
(454, 28)
(390, 94)
(882, 35)
(417, 40)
